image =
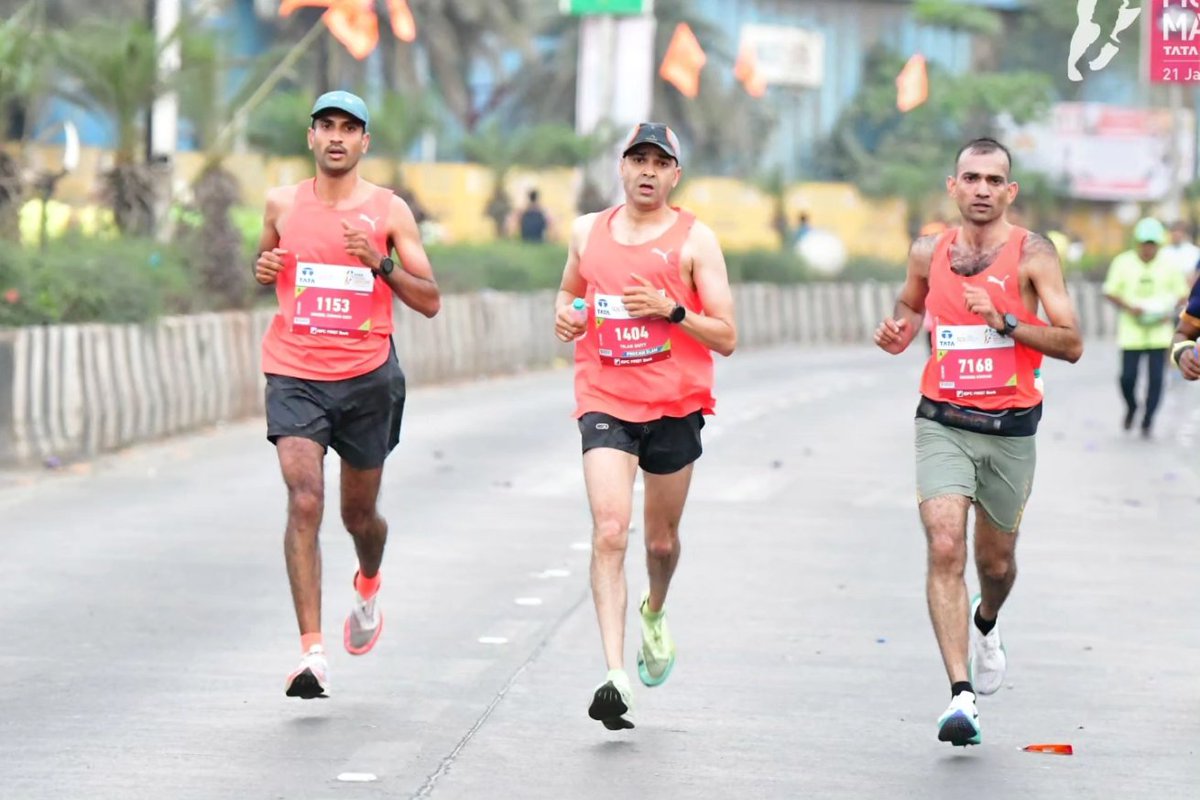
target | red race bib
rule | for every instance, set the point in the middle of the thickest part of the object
(333, 300)
(975, 361)
(625, 341)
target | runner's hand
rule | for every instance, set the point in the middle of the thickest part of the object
(645, 300)
(978, 301)
(1189, 364)
(566, 327)
(359, 246)
(890, 335)
(269, 263)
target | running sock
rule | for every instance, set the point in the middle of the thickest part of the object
(985, 625)
(958, 687)
(366, 587)
(307, 640)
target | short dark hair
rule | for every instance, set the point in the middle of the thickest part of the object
(533, 195)
(983, 146)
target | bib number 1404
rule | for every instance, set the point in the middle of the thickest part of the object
(967, 366)
(633, 333)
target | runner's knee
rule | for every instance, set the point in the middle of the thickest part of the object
(306, 503)
(611, 534)
(358, 519)
(947, 552)
(663, 546)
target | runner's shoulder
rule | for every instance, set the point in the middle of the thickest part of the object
(1038, 246)
(281, 198)
(922, 248)
(581, 228)
(702, 233)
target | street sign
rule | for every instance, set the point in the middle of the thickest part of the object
(582, 8)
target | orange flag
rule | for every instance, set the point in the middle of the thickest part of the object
(912, 84)
(683, 61)
(354, 24)
(745, 69)
(286, 7)
(403, 24)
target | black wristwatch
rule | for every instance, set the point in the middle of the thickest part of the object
(386, 265)
(677, 314)
(1010, 324)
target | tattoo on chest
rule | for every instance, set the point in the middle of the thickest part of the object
(966, 262)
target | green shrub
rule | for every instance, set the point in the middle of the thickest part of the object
(78, 279)
(505, 266)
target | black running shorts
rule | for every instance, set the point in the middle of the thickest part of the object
(662, 446)
(359, 417)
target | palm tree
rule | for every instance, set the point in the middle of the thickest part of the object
(499, 151)
(114, 69)
(456, 33)
(24, 62)
(723, 127)
(406, 118)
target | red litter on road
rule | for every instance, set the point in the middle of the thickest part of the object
(1052, 749)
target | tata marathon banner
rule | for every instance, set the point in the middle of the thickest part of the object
(1173, 31)
(1097, 151)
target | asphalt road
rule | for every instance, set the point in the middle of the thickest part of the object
(147, 627)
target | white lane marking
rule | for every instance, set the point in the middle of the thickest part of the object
(528, 601)
(493, 640)
(356, 777)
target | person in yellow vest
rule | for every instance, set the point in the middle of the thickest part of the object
(1147, 287)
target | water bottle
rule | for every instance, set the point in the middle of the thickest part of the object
(579, 313)
(1038, 383)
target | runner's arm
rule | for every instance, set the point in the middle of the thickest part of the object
(566, 325)
(715, 328)
(896, 333)
(573, 285)
(412, 280)
(1061, 338)
(1183, 348)
(268, 264)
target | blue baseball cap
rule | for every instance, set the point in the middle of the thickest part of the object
(338, 100)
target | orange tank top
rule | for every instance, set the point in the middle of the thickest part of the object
(335, 317)
(971, 363)
(638, 369)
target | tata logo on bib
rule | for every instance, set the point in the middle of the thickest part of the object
(946, 338)
(306, 277)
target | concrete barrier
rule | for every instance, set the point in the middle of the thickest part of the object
(72, 391)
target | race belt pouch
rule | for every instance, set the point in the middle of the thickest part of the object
(1008, 422)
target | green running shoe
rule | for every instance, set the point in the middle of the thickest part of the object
(656, 656)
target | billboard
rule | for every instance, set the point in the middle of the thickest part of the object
(1103, 152)
(786, 56)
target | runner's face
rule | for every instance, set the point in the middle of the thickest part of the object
(648, 175)
(1148, 251)
(981, 189)
(338, 141)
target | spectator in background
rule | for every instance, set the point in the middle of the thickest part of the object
(532, 223)
(1147, 287)
(803, 226)
(1182, 252)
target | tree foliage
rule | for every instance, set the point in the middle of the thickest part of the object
(907, 155)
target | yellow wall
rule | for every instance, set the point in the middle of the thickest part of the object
(456, 195)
